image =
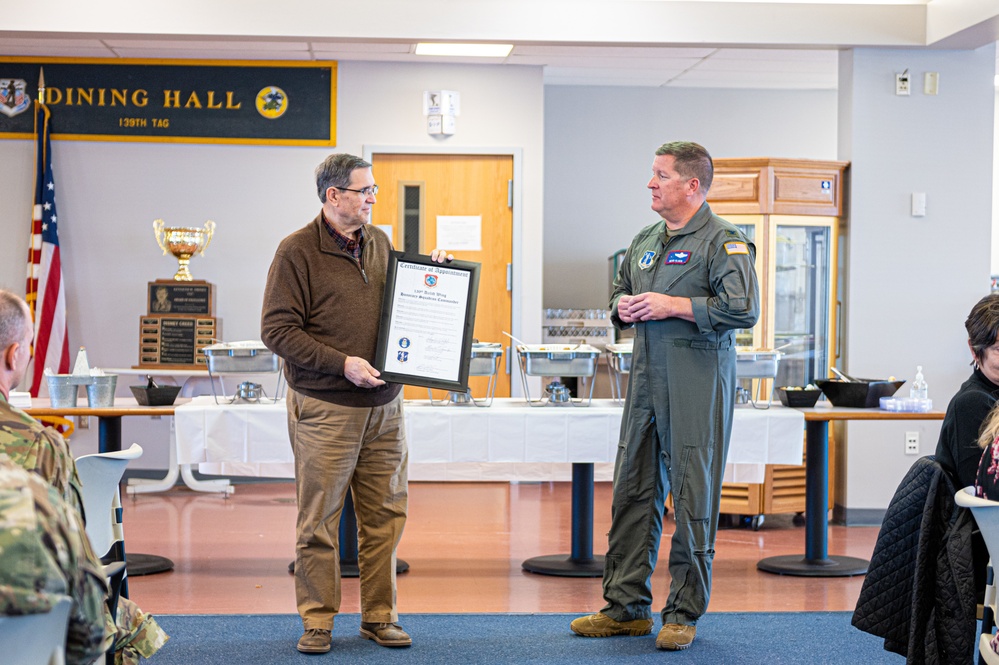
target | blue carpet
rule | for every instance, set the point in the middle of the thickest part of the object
(811, 638)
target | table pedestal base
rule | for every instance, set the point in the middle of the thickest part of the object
(798, 565)
(147, 564)
(565, 566)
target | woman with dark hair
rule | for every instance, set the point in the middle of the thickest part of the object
(957, 449)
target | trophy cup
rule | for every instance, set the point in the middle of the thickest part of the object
(183, 242)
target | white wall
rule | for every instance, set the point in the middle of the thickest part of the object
(109, 194)
(911, 282)
(599, 147)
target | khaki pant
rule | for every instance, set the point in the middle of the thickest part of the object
(365, 449)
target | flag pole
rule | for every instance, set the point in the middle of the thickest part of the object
(41, 85)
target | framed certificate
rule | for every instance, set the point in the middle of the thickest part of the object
(428, 314)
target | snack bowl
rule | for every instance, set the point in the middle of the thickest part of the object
(794, 396)
(860, 393)
(155, 396)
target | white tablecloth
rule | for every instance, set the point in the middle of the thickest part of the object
(506, 441)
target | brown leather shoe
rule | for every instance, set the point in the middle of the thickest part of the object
(601, 625)
(675, 637)
(315, 640)
(386, 634)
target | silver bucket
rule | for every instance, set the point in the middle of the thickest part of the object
(100, 390)
(63, 390)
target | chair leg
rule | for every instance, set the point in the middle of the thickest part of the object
(988, 616)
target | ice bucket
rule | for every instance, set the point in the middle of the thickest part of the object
(100, 390)
(63, 390)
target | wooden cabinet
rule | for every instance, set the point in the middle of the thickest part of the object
(792, 209)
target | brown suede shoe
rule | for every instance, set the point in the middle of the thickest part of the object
(315, 640)
(386, 634)
(675, 637)
(601, 625)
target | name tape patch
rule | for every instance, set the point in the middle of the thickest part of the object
(677, 257)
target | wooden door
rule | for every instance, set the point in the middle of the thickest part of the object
(414, 191)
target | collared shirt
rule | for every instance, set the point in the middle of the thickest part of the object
(352, 246)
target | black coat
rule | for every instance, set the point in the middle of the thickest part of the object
(919, 594)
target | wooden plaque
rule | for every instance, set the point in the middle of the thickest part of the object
(175, 341)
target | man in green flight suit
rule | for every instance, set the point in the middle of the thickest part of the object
(686, 284)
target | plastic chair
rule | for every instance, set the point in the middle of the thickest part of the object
(986, 514)
(40, 639)
(100, 475)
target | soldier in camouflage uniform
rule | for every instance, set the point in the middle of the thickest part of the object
(45, 554)
(30, 445)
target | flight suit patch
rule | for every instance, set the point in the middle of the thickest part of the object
(736, 248)
(648, 258)
(677, 257)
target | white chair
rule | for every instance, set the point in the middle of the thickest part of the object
(100, 476)
(36, 639)
(986, 514)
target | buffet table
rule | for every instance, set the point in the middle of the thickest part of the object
(252, 439)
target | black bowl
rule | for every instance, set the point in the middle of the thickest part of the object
(158, 396)
(862, 393)
(801, 397)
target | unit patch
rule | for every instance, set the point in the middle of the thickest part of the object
(648, 258)
(736, 248)
(677, 257)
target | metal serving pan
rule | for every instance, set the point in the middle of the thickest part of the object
(558, 359)
(620, 356)
(484, 356)
(241, 357)
(756, 364)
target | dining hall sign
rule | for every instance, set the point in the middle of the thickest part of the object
(259, 102)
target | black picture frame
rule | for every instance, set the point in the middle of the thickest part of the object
(397, 300)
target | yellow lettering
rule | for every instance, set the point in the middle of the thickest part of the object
(53, 96)
(69, 96)
(119, 97)
(228, 101)
(212, 104)
(100, 96)
(171, 98)
(193, 101)
(140, 97)
(85, 96)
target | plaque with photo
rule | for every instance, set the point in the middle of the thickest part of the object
(186, 298)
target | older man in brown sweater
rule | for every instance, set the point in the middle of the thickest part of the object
(321, 313)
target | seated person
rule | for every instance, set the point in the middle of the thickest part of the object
(957, 450)
(44, 554)
(34, 447)
(987, 481)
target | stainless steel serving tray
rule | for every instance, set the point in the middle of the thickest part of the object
(620, 356)
(558, 359)
(756, 364)
(484, 355)
(241, 357)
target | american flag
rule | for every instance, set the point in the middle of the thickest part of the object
(44, 291)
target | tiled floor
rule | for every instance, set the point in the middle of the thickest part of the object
(464, 542)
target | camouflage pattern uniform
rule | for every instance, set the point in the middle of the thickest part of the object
(42, 449)
(45, 554)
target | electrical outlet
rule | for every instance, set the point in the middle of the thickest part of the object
(912, 443)
(902, 83)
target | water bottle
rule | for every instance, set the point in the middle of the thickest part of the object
(919, 389)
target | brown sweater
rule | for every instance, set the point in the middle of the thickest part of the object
(320, 306)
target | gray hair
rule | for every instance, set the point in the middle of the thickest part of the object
(335, 172)
(691, 160)
(15, 318)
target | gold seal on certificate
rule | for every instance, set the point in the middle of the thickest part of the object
(183, 242)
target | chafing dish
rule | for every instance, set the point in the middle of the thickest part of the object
(484, 362)
(558, 360)
(248, 357)
(619, 364)
(758, 365)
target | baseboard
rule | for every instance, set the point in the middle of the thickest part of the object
(858, 516)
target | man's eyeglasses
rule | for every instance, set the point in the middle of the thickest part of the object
(365, 192)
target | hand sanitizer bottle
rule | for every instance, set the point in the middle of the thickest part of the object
(919, 389)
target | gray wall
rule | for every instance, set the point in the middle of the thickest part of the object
(910, 282)
(599, 146)
(109, 194)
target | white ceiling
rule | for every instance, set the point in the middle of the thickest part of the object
(724, 44)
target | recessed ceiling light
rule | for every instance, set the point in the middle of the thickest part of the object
(474, 50)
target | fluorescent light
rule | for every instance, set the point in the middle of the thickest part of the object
(474, 50)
